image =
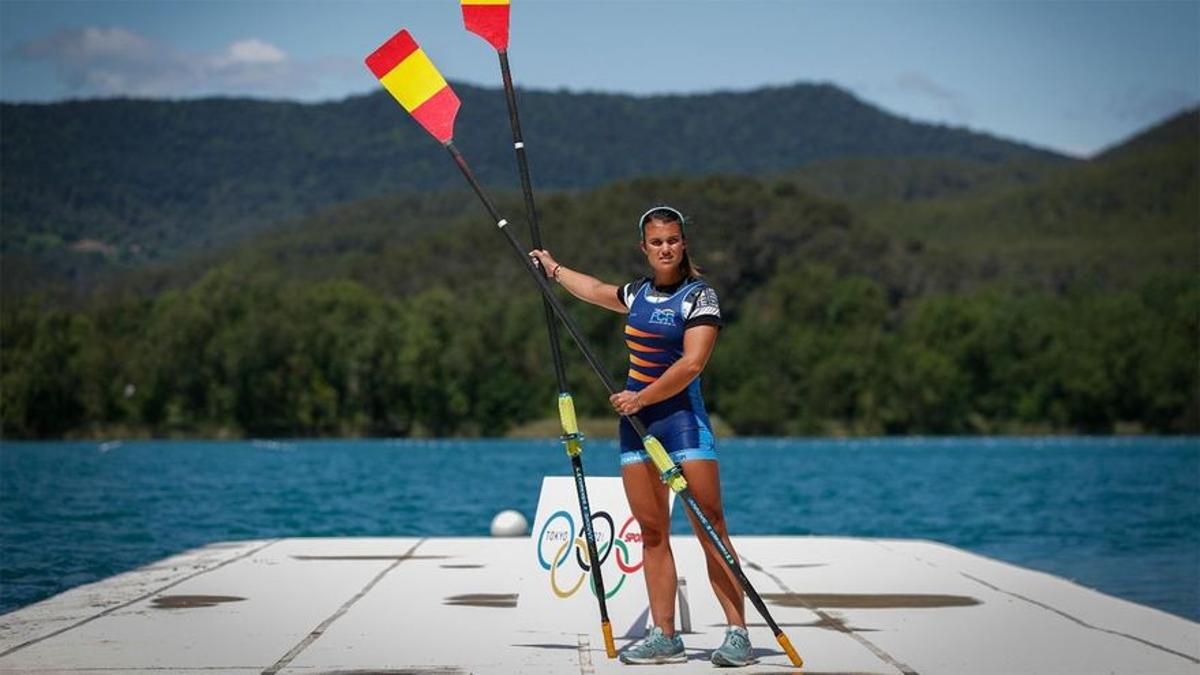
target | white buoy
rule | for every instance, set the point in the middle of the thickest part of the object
(509, 523)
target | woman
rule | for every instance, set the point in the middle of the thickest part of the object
(672, 327)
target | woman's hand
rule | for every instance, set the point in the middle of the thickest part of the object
(545, 261)
(626, 402)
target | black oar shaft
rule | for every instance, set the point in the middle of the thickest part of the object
(535, 236)
(535, 232)
(514, 121)
(732, 562)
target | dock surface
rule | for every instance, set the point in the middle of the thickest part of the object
(454, 605)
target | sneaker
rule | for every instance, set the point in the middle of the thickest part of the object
(656, 648)
(735, 651)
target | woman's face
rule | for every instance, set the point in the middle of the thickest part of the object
(663, 245)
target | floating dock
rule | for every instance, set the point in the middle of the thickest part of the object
(455, 605)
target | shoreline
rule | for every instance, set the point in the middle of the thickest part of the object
(592, 427)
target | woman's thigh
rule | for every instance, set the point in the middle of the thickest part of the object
(704, 482)
(648, 498)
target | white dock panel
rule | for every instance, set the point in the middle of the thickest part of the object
(446, 605)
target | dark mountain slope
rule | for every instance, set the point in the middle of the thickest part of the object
(137, 180)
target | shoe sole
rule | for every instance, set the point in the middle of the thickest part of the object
(720, 660)
(636, 661)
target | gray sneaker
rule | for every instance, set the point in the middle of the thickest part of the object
(735, 651)
(656, 648)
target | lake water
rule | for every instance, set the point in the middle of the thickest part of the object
(1118, 514)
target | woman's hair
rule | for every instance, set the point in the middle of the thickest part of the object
(666, 215)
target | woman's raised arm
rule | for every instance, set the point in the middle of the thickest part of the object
(580, 285)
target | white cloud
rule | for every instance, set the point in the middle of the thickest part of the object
(106, 42)
(114, 61)
(253, 51)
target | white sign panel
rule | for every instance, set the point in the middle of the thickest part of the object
(557, 580)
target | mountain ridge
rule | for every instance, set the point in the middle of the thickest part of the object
(152, 177)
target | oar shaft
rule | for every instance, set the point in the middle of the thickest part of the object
(730, 560)
(553, 303)
(573, 444)
(535, 231)
(514, 120)
(589, 534)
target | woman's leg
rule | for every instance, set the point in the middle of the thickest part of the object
(704, 482)
(648, 500)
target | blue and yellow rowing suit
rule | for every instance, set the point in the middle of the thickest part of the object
(654, 335)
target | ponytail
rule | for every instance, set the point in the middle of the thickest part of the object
(689, 268)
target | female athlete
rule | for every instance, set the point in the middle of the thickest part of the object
(672, 325)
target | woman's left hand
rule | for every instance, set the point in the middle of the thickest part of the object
(626, 402)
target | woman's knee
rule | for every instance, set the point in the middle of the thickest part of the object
(715, 519)
(654, 534)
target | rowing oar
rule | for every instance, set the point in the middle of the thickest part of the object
(408, 74)
(489, 20)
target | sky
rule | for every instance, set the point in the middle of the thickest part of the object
(1071, 76)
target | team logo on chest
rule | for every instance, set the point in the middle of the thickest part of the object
(663, 317)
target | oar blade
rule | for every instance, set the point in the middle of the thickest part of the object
(488, 19)
(411, 78)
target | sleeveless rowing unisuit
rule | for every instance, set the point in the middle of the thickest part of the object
(654, 331)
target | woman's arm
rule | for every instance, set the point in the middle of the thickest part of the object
(698, 342)
(579, 284)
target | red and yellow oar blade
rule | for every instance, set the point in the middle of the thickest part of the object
(488, 19)
(407, 73)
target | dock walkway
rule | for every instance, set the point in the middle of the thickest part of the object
(451, 605)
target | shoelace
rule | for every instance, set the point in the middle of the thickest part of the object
(650, 640)
(736, 640)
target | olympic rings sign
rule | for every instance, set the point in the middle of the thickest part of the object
(559, 541)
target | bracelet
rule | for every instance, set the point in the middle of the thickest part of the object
(554, 274)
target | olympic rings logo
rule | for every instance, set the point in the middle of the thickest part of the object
(563, 540)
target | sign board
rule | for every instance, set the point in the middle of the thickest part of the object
(556, 578)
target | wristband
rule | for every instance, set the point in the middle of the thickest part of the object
(554, 274)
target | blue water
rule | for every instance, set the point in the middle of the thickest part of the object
(1118, 514)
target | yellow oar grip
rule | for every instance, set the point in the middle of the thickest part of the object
(658, 455)
(791, 651)
(610, 647)
(570, 426)
(566, 414)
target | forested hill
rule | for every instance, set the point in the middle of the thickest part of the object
(138, 180)
(929, 297)
(1110, 221)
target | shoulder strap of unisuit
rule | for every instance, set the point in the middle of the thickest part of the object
(689, 287)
